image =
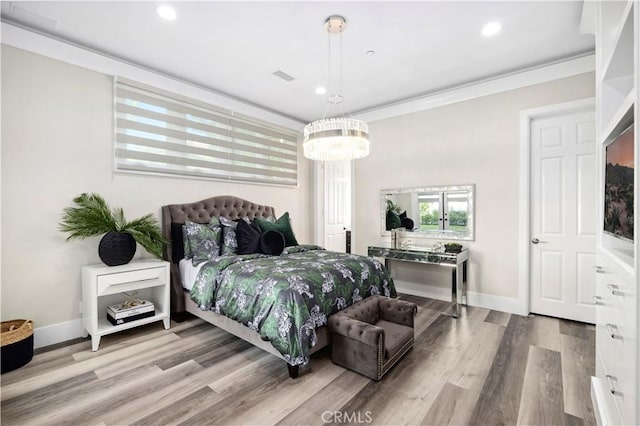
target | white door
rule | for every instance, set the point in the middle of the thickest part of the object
(563, 218)
(337, 204)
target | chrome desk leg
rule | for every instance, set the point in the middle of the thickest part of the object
(464, 282)
(458, 288)
(455, 311)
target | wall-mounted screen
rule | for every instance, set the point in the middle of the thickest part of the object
(618, 186)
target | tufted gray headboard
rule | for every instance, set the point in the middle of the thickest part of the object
(202, 212)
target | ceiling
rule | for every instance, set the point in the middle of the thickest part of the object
(234, 47)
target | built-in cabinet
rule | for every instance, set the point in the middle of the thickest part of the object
(616, 383)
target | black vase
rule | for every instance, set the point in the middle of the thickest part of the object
(117, 248)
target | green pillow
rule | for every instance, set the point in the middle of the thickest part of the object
(282, 225)
(393, 220)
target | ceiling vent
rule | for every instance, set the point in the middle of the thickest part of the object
(283, 75)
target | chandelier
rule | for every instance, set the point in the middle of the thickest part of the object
(340, 138)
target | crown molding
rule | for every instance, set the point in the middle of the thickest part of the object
(542, 74)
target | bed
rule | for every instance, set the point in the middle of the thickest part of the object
(277, 303)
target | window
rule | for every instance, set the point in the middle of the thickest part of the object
(159, 132)
(430, 211)
(444, 210)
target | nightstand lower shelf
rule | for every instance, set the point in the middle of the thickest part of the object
(105, 327)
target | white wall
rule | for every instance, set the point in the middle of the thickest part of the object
(57, 143)
(475, 141)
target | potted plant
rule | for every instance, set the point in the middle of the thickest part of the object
(92, 216)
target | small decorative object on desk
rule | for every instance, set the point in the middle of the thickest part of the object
(132, 309)
(453, 248)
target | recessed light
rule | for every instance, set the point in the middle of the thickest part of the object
(371, 52)
(491, 28)
(166, 12)
(321, 90)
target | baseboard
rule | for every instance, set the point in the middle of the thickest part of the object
(496, 303)
(432, 292)
(57, 333)
(487, 301)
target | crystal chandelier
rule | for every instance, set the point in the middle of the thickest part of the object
(340, 138)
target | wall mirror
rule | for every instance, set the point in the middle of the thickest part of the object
(438, 212)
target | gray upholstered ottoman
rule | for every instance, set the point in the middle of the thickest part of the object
(370, 336)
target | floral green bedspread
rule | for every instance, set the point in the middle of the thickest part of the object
(285, 298)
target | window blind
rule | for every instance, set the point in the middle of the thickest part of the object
(160, 132)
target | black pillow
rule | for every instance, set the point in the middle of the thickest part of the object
(403, 214)
(248, 237)
(272, 242)
(177, 245)
(407, 223)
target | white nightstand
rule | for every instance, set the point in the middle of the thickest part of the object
(103, 286)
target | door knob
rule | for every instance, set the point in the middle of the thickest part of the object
(537, 241)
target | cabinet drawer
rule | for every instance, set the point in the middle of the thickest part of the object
(616, 356)
(609, 407)
(618, 391)
(129, 281)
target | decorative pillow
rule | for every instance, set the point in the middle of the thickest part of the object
(178, 242)
(204, 240)
(407, 223)
(393, 220)
(283, 225)
(229, 237)
(185, 244)
(248, 237)
(272, 242)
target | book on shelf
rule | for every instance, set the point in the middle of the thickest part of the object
(130, 318)
(130, 309)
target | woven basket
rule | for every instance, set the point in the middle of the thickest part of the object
(16, 339)
(15, 330)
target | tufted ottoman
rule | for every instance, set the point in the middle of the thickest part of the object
(370, 336)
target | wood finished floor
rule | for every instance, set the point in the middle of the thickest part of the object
(485, 368)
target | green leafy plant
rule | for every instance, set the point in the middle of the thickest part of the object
(393, 207)
(92, 216)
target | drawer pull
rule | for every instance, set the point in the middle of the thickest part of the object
(612, 389)
(614, 290)
(597, 300)
(599, 269)
(610, 328)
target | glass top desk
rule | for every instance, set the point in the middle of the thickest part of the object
(456, 261)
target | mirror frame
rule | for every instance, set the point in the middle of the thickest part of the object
(433, 234)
